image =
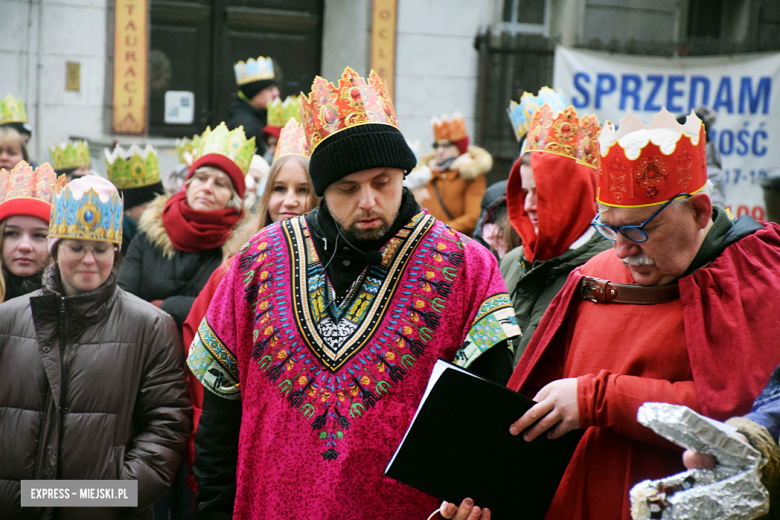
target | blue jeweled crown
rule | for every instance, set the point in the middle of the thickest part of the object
(521, 113)
(254, 70)
(86, 218)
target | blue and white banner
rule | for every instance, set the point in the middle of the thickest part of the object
(738, 87)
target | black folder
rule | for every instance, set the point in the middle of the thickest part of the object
(459, 446)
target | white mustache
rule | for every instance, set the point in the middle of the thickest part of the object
(640, 259)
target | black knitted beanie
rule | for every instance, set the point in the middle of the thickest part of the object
(252, 89)
(356, 149)
(136, 196)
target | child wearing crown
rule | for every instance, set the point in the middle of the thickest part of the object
(257, 89)
(457, 175)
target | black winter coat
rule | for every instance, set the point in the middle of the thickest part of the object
(154, 270)
(252, 119)
(91, 387)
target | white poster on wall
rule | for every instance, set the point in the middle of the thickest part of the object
(738, 87)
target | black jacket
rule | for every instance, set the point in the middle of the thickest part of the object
(252, 119)
(154, 269)
(91, 387)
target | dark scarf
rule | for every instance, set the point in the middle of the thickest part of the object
(16, 286)
(192, 231)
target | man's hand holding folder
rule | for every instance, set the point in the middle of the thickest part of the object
(556, 408)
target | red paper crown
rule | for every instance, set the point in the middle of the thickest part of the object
(647, 165)
(330, 109)
(292, 140)
(24, 191)
(564, 134)
(449, 128)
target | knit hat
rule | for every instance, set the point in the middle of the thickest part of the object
(88, 208)
(359, 148)
(252, 89)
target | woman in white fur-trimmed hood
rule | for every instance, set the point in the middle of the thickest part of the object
(458, 171)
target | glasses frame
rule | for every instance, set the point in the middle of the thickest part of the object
(448, 144)
(601, 227)
(64, 247)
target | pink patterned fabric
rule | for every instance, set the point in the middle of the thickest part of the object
(329, 390)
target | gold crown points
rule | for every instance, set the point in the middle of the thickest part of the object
(329, 109)
(279, 112)
(132, 168)
(12, 110)
(71, 154)
(449, 128)
(520, 114)
(564, 134)
(254, 70)
(22, 181)
(292, 140)
(665, 131)
(87, 217)
(233, 144)
(186, 147)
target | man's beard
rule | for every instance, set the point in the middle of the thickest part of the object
(354, 233)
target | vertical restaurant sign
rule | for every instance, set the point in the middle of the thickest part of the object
(383, 41)
(130, 58)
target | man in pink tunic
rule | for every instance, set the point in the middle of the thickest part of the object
(319, 342)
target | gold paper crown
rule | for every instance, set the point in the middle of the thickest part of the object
(292, 140)
(254, 70)
(132, 168)
(232, 144)
(449, 128)
(24, 182)
(330, 109)
(12, 110)
(186, 147)
(72, 154)
(86, 218)
(521, 113)
(279, 112)
(564, 134)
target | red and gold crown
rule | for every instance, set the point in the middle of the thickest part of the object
(330, 109)
(564, 133)
(24, 191)
(647, 165)
(292, 140)
(449, 128)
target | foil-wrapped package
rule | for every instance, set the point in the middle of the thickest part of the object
(730, 491)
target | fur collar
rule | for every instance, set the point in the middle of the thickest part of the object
(151, 224)
(475, 162)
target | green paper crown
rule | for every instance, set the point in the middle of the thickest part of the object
(279, 112)
(70, 155)
(12, 110)
(232, 144)
(132, 168)
(186, 147)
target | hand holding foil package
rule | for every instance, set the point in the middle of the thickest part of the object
(730, 491)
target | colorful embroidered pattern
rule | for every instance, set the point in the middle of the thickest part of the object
(330, 363)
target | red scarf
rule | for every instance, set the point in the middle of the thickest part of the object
(192, 231)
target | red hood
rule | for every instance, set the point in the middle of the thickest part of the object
(566, 204)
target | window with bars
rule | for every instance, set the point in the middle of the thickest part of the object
(529, 16)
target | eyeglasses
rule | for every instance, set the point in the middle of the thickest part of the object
(100, 252)
(436, 146)
(633, 233)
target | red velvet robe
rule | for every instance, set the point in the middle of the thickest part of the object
(715, 356)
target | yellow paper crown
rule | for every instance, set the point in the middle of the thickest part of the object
(233, 144)
(329, 109)
(12, 110)
(279, 112)
(292, 140)
(449, 128)
(565, 134)
(132, 168)
(72, 154)
(254, 70)
(186, 147)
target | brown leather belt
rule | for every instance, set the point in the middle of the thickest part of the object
(604, 291)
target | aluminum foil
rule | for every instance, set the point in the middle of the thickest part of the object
(731, 491)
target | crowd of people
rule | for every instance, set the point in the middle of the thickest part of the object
(255, 344)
